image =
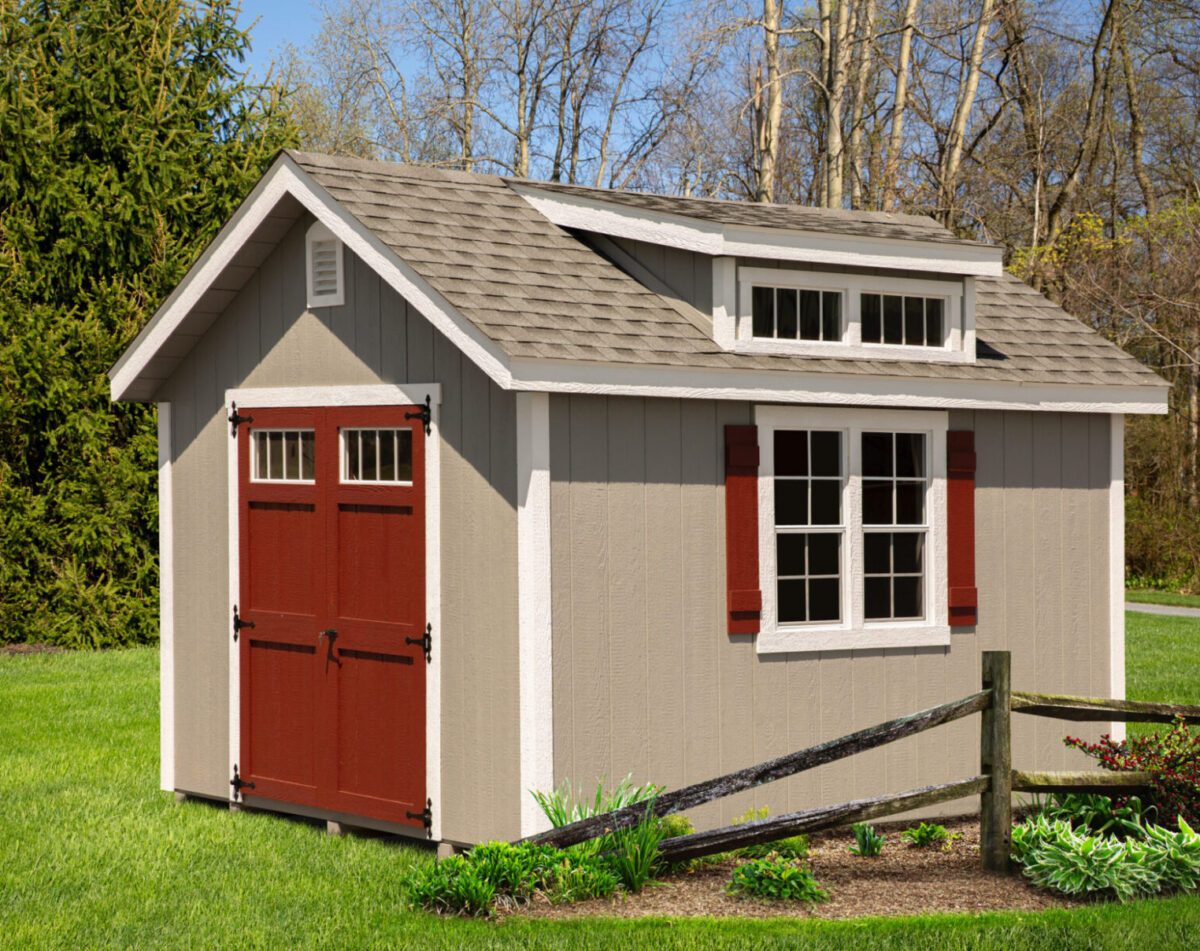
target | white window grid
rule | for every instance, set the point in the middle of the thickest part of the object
(896, 527)
(381, 440)
(278, 469)
(853, 631)
(810, 527)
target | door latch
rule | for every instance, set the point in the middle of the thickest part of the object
(426, 815)
(425, 643)
(328, 632)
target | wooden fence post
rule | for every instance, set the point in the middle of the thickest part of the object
(995, 760)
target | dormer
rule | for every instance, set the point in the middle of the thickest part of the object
(803, 281)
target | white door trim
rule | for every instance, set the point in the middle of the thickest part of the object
(534, 606)
(381, 395)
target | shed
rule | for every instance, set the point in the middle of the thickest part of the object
(470, 485)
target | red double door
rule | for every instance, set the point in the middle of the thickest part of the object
(332, 577)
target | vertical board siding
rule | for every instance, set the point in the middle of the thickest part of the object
(648, 682)
(267, 337)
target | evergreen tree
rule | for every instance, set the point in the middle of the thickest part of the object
(127, 135)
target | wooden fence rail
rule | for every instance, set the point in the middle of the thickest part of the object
(995, 784)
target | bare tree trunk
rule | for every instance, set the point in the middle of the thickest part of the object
(1085, 155)
(771, 112)
(1137, 133)
(836, 48)
(956, 135)
(891, 175)
(865, 41)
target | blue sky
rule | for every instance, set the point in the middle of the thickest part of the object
(279, 22)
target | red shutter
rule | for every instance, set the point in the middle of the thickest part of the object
(743, 596)
(960, 525)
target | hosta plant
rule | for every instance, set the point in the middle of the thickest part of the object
(924, 835)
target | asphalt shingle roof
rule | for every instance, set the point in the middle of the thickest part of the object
(539, 292)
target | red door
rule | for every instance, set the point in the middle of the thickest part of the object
(332, 524)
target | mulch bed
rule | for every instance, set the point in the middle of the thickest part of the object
(31, 649)
(902, 881)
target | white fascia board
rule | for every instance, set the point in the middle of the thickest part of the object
(375, 394)
(766, 386)
(707, 237)
(287, 178)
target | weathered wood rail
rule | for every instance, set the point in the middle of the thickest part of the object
(995, 784)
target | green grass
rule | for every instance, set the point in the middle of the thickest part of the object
(1162, 660)
(1163, 597)
(93, 855)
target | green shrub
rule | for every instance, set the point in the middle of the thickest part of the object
(1056, 856)
(922, 836)
(1172, 758)
(1099, 814)
(867, 842)
(516, 871)
(453, 885)
(795, 846)
(635, 851)
(776, 878)
(580, 877)
(675, 825)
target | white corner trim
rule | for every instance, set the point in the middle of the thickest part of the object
(534, 605)
(287, 178)
(166, 603)
(377, 395)
(853, 632)
(708, 237)
(1116, 565)
(769, 386)
(381, 394)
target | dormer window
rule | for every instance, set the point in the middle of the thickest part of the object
(794, 313)
(903, 320)
(323, 260)
(845, 313)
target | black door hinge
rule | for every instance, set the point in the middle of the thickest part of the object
(238, 623)
(236, 418)
(424, 414)
(426, 816)
(238, 783)
(425, 643)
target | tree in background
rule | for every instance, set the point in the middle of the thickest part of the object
(127, 136)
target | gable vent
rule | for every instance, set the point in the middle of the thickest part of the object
(324, 267)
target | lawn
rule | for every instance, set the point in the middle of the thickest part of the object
(1162, 660)
(1163, 597)
(93, 855)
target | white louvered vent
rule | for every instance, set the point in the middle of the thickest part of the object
(324, 266)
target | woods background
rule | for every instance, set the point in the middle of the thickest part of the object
(1066, 131)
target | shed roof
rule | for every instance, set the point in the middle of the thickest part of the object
(540, 292)
(540, 308)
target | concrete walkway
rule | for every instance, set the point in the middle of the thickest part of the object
(1169, 609)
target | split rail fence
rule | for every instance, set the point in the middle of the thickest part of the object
(996, 782)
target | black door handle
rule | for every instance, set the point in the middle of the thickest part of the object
(328, 632)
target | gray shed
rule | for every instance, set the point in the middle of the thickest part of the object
(470, 485)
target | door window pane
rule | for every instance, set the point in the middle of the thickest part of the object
(377, 455)
(282, 455)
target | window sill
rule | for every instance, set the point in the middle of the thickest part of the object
(808, 640)
(838, 349)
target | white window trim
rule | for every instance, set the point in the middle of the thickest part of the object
(959, 346)
(853, 632)
(318, 232)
